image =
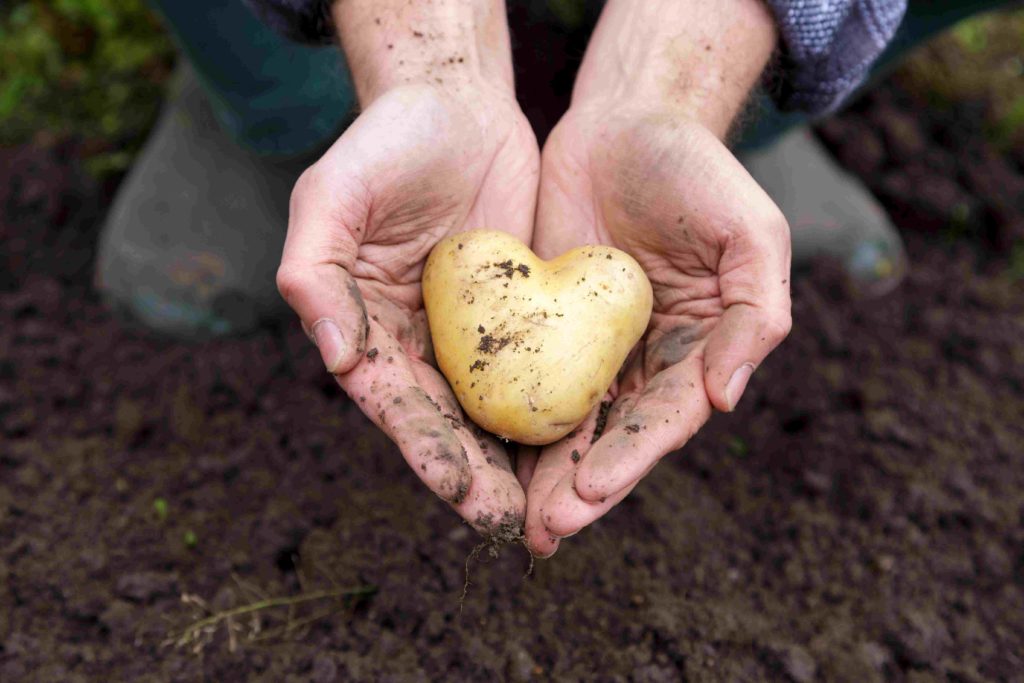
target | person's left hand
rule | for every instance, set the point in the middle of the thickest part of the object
(716, 249)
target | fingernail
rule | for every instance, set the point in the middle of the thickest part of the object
(544, 556)
(328, 339)
(737, 383)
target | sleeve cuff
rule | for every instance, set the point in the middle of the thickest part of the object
(829, 46)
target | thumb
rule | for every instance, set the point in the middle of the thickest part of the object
(331, 309)
(314, 276)
(741, 340)
(753, 277)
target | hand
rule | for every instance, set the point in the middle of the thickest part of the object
(421, 162)
(638, 163)
(716, 249)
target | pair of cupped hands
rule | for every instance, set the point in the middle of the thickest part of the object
(421, 163)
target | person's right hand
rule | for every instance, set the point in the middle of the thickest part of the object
(419, 164)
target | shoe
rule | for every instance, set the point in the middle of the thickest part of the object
(193, 239)
(830, 212)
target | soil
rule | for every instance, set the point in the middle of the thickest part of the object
(860, 518)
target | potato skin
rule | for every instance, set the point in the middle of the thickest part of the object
(530, 346)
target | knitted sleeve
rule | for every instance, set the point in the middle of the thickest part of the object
(828, 47)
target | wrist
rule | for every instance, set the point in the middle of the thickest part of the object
(452, 45)
(694, 59)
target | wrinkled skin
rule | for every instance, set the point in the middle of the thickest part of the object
(653, 185)
(416, 166)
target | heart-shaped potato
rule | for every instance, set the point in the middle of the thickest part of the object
(531, 346)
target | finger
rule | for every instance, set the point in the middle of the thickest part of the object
(564, 513)
(384, 386)
(664, 416)
(741, 340)
(555, 462)
(495, 503)
(754, 283)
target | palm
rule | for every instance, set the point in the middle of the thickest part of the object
(410, 171)
(671, 195)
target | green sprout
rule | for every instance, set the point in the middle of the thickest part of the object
(190, 538)
(738, 447)
(161, 508)
(570, 13)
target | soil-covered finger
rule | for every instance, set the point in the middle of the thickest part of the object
(384, 386)
(672, 407)
(495, 504)
(540, 542)
(563, 513)
(556, 462)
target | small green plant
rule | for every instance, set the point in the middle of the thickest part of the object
(1010, 124)
(738, 447)
(190, 539)
(961, 224)
(570, 12)
(161, 508)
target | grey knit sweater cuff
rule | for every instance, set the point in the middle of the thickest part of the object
(828, 47)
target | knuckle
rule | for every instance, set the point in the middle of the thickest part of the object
(780, 324)
(301, 189)
(290, 284)
(783, 237)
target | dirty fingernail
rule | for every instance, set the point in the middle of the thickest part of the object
(562, 537)
(328, 339)
(550, 553)
(737, 383)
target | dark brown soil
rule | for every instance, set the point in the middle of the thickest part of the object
(861, 518)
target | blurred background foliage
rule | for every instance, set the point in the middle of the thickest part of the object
(89, 69)
(980, 62)
(95, 70)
